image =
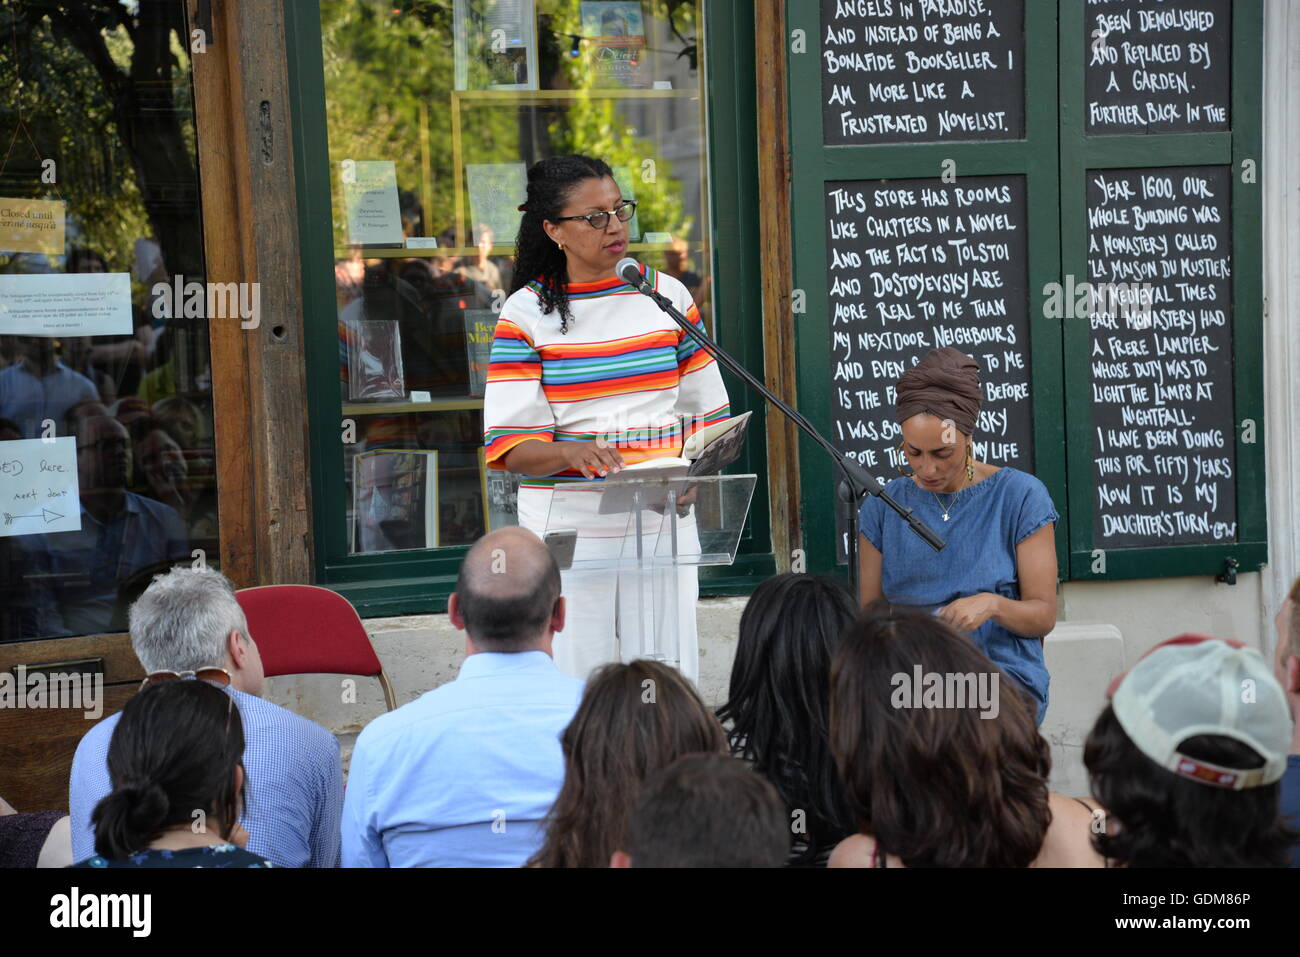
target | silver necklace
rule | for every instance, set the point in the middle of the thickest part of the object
(953, 502)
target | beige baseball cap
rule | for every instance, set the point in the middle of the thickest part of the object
(1193, 685)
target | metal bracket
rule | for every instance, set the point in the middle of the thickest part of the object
(1229, 574)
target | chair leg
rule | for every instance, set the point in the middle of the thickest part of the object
(389, 698)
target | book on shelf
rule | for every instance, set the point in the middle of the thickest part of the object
(615, 43)
(374, 348)
(480, 330)
(494, 45)
(395, 503)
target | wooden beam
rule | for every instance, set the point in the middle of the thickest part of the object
(251, 235)
(777, 274)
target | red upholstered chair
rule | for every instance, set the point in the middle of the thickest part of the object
(303, 629)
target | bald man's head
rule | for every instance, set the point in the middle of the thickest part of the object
(507, 590)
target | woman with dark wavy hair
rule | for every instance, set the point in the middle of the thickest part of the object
(587, 376)
(634, 719)
(777, 706)
(176, 763)
(942, 763)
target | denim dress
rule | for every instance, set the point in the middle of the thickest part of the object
(985, 524)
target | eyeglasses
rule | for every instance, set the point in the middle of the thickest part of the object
(624, 211)
(217, 676)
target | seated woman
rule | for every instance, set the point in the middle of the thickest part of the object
(996, 579)
(941, 762)
(776, 710)
(34, 839)
(634, 719)
(1189, 776)
(176, 763)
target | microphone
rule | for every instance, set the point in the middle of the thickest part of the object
(629, 270)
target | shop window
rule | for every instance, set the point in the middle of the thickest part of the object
(107, 456)
(416, 124)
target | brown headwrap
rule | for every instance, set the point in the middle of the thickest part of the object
(946, 384)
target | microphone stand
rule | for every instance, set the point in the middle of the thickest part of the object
(857, 481)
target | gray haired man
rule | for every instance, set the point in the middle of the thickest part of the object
(186, 621)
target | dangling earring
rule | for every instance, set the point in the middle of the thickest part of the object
(970, 463)
(902, 458)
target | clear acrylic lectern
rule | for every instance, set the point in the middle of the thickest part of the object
(645, 529)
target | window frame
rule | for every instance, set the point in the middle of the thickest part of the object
(1080, 153)
(418, 582)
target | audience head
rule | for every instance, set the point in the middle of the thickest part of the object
(1286, 660)
(1187, 757)
(778, 706)
(181, 418)
(941, 760)
(103, 450)
(160, 462)
(507, 594)
(634, 719)
(177, 749)
(706, 810)
(188, 619)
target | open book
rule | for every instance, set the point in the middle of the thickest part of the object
(707, 452)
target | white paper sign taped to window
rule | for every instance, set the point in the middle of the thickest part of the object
(66, 304)
(374, 216)
(38, 486)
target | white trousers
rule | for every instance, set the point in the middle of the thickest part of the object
(607, 609)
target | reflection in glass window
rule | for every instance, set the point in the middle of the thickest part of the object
(105, 383)
(435, 111)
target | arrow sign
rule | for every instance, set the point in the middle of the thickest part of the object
(38, 477)
(45, 514)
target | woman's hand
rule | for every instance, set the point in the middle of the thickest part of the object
(970, 612)
(536, 457)
(591, 458)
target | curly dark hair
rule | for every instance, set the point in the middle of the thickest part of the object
(1170, 821)
(536, 257)
(778, 699)
(936, 787)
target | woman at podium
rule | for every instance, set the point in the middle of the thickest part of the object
(996, 579)
(586, 377)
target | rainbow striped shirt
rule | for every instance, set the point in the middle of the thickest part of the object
(624, 371)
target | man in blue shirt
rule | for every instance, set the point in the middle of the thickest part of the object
(1287, 668)
(38, 387)
(464, 775)
(189, 619)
